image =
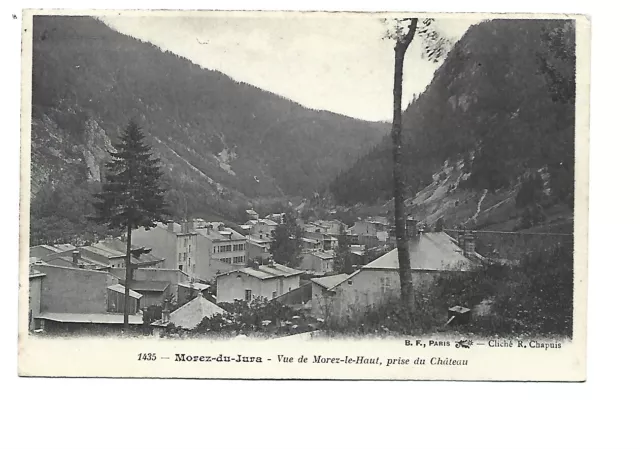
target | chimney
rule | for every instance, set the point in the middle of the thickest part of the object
(76, 257)
(412, 227)
(469, 244)
(165, 311)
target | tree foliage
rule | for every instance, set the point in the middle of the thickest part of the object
(343, 260)
(131, 196)
(286, 247)
(257, 317)
(533, 298)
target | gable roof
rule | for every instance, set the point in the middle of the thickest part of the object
(191, 314)
(330, 281)
(433, 251)
(268, 271)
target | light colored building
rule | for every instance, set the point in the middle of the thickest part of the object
(253, 215)
(189, 315)
(266, 281)
(74, 297)
(431, 254)
(321, 297)
(200, 249)
(262, 228)
(258, 249)
(318, 262)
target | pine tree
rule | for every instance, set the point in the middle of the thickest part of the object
(342, 259)
(286, 245)
(131, 196)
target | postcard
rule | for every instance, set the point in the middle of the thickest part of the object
(304, 195)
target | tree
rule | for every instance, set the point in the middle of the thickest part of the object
(131, 196)
(403, 32)
(285, 247)
(342, 261)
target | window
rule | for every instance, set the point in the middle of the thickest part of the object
(189, 261)
(247, 295)
(273, 294)
(180, 267)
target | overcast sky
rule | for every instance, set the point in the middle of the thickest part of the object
(337, 63)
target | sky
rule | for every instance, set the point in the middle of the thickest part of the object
(339, 63)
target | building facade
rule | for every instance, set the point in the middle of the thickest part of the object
(259, 281)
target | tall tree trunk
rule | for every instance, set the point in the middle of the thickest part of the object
(404, 262)
(127, 278)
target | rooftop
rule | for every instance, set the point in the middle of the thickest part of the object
(434, 251)
(330, 281)
(325, 255)
(268, 271)
(192, 313)
(215, 234)
(120, 289)
(196, 285)
(149, 286)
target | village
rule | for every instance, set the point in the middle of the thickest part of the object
(195, 270)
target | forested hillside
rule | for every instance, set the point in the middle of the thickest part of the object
(222, 142)
(496, 124)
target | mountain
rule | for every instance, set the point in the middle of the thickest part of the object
(491, 140)
(223, 143)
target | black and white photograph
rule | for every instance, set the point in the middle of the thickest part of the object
(414, 181)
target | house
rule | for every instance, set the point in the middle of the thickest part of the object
(430, 253)
(153, 292)
(198, 248)
(40, 251)
(259, 249)
(74, 298)
(115, 299)
(188, 290)
(331, 227)
(189, 315)
(318, 262)
(266, 281)
(72, 258)
(320, 287)
(253, 215)
(371, 231)
(262, 229)
(154, 278)
(309, 244)
(278, 218)
(227, 245)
